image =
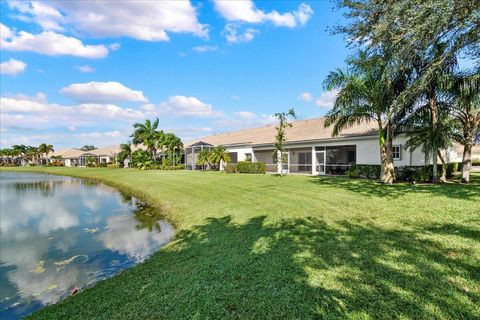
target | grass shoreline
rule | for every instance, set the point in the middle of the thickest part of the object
(260, 246)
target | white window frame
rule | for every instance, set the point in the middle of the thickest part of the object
(399, 158)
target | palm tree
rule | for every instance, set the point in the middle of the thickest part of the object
(173, 145)
(141, 159)
(465, 93)
(421, 134)
(20, 150)
(125, 151)
(147, 134)
(219, 156)
(204, 158)
(428, 92)
(367, 92)
(45, 149)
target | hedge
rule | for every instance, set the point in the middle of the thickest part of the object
(250, 167)
(364, 171)
(403, 173)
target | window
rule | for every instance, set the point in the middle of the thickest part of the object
(248, 157)
(233, 157)
(397, 152)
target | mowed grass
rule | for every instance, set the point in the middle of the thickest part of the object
(298, 247)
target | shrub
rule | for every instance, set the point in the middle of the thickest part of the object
(414, 173)
(57, 163)
(32, 164)
(476, 162)
(113, 166)
(250, 167)
(230, 168)
(451, 169)
(91, 165)
(102, 165)
(369, 171)
(171, 167)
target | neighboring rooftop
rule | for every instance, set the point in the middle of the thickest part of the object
(302, 130)
(110, 151)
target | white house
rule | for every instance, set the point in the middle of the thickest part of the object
(310, 148)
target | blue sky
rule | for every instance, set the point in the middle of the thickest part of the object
(76, 73)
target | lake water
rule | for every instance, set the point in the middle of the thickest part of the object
(58, 233)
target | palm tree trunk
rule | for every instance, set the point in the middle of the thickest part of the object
(467, 159)
(432, 104)
(443, 177)
(387, 172)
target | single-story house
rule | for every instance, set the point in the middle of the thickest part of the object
(310, 148)
(78, 158)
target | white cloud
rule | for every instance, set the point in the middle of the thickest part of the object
(35, 113)
(202, 49)
(114, 46)
(97, 135)
(245, 11)
(49, 43)
(12, 67)
(102, 92)
(85, 68)
(245, 115)
(143, 20)
(184, 106)
(245, 119)
(327, 99)
(233, 34)
(305, 96)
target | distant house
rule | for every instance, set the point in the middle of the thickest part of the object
(310, 148)
(78, 158)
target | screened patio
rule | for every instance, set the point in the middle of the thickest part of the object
(191, 155)
(330, 160)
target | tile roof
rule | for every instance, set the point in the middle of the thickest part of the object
(110, 151)
(302, 130)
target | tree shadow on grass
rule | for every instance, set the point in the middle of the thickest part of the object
(297, 268)
(372, 188)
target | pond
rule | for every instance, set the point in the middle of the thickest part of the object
(60, 233)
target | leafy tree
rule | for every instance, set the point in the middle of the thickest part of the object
(203, 158)
(220, 155)
(148, 135)
(88, 148)
(284, 121)
(408, 28)
(366, 92)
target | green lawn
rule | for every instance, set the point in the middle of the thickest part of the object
(262, 246)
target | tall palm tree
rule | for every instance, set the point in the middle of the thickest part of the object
(465, 93)
(148, 135)
(220, 155)
(367, 92)
(423, 135)
(204, 158)
(45, 149)
(125, 151)
(173, 145)
(427, 92)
